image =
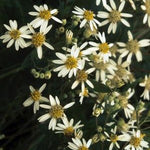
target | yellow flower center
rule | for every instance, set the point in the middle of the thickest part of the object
(85, 92)
(57, 111)
(45, 14)
(135, 141)
(88, 15)
(69, 131)
(147, 5)
(35, 95)
(81, 75)
(114, 138)
(38, 39)
(114, 16)
(15, 34)
(147, 86)
(83, 148)
(133, 46)
(104, 47)
(71, 62)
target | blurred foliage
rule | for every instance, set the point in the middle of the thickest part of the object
(19, 124)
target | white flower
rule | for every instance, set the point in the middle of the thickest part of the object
(132, 4)
(77, 144)
(114, 138)
(43, 15)
(15, 35)
(82, 77)
(99, 1)
(87, 16)
(146, 8)
(69, 63)
(36, 97)
(136, 141)
(39, 39)
(146, 84)
(103, 47)
(67, 128)
(114, 16)
(133, 47)
(56, 111)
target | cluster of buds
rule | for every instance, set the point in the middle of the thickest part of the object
(42, 75)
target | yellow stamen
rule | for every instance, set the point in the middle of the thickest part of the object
(15, 34)
(104, 47)
(83, 148)
(133, 46)
(57, 111)
(38, 39)
(114, 16)
(35, 95)
(135, 141)
(85, 92)
(69, 131)
(45, 14)
(81, 75)
(114, 138)
(71, 62)
(88, 15)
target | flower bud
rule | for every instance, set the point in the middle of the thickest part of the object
(75, 23)
(78, 133)
(61, 30)
(69, 36)
(95, 138)
(36, 75)
(42, 75)
(47, 75)
(64, 22)
(96, 112)
(33, 71)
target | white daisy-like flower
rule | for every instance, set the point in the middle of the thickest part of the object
(87, 16)
(39, 39)
(114, 138)
(103, 48)
(69, 63)
(99, 1)
(43, 14)
(82, 77)
(56, 111)
(132, 4)
(77, 144)
(136, 141)
(15, 35)
(133, 47)
(102, 69)
(36, 98)
(146, 84)
(67, 128)
(146, 8)
(114, 16)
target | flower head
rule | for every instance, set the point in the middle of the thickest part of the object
(113, 16)
(15, 35)
(35, 97)
(88, 16)
(56, 111)
(43, 15)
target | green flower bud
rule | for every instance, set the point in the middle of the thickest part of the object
(42, 75)
(64, 22)
(36, 75)
(47, 75)
(61, 30)
(75, 23)
(33, 71)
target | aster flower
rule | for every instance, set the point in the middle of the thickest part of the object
(146, 8)
(136, 141)
(87, 16)
(82, 77)
(103, 47)
(114, 138)
(77, 144)
(69, 62)
(36, 98)
(133, 47)
(114, 16)
(43, 14)
(67, 128)
(15, 35)
(56, 111)
(39, 39)
(146, 84)
(102, 68)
